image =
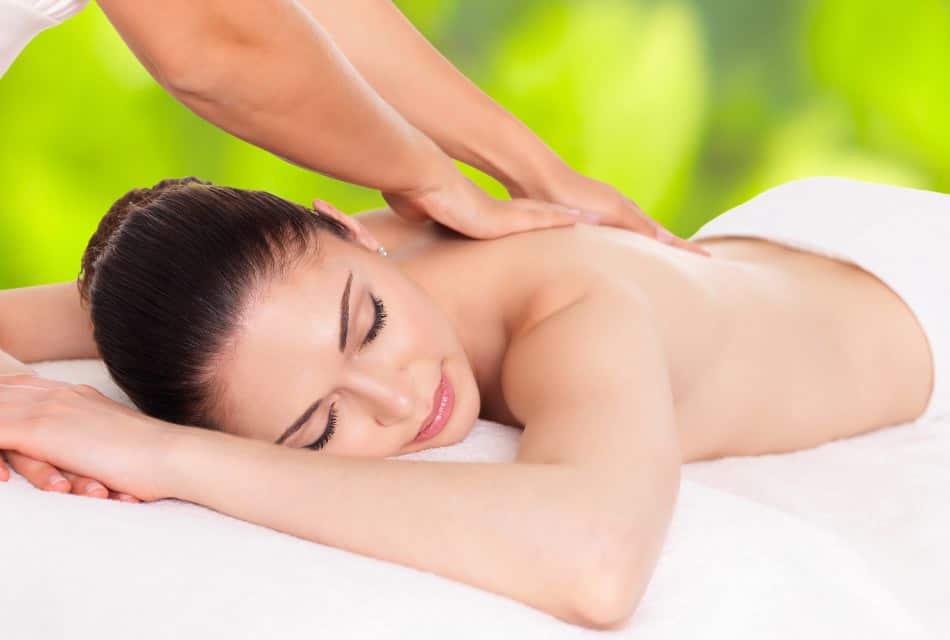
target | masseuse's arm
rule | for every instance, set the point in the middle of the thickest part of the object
(433, 95)
(411, 75)
(267, 72)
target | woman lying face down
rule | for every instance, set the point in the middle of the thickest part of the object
(619, 357)
(246, 313)
(242, 312)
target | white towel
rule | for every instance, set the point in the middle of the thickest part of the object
(846, 540)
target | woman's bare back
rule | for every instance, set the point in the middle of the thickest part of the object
(769, 349)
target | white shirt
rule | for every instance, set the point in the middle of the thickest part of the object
(21, 20)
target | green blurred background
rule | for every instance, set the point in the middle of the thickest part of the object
(689, 107)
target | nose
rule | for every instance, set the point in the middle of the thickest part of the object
(388, 394)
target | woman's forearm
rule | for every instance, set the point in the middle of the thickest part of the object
(45, 322)
(530, 532)
(432, 94)
(267, 72)
(11, 366)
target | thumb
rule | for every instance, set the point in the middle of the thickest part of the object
(405, 207)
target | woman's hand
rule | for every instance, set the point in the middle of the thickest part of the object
(460, 204)
(47, 425)
(45, 476)
(569, 188)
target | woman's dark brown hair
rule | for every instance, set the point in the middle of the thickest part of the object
(167, 275)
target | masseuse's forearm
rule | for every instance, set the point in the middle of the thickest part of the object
(530, 532)
(267, 72)
(431, 93)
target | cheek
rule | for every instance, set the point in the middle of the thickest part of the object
(427, 329)
(362, 440)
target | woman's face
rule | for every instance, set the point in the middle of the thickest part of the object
(347, 340)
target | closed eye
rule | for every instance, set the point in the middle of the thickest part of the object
(379, 321)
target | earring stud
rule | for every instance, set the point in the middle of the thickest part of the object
(382, 251)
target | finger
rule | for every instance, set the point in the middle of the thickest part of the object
(41, 475)
(122, 497)
(4, 472)
(516, 216)
(406, 208)
(666, 237)
(83, 486)
(557, 215)
(691, 246)
(631, 216)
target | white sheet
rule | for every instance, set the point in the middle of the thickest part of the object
(848, 540)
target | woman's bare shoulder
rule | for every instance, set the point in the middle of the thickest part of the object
(398, 234)
(578, 325)
(592, 365)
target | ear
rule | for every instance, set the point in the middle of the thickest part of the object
(358, 232)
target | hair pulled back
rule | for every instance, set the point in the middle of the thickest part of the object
(167, 275)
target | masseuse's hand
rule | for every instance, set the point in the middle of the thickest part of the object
(65, 437)
(567, 187)
(460, 204)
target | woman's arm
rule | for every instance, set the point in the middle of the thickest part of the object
(574, 527)
(11, 366)
(537, 533)
(45, 322)
(36, 324)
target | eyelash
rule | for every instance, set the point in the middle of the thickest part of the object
(331, 427)
(379, 322)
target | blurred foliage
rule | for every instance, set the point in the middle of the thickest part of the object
(689, 106)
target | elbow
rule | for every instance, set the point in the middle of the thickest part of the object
(204, 64)
(608, 601)
(609, 585)
(618, 572)
(187, 75)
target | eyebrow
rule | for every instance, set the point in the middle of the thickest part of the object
(345, 312)
(344, 330)
(299, 422)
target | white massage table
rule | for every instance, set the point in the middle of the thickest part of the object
(849, 540)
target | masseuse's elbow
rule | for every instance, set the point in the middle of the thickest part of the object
(189, 74)
(205, 64)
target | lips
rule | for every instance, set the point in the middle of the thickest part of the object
(443, 401)
(437, 398)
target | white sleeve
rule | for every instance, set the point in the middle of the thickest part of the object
(21, 20)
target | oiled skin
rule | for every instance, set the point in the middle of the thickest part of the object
(769, 349)
(619, 356)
